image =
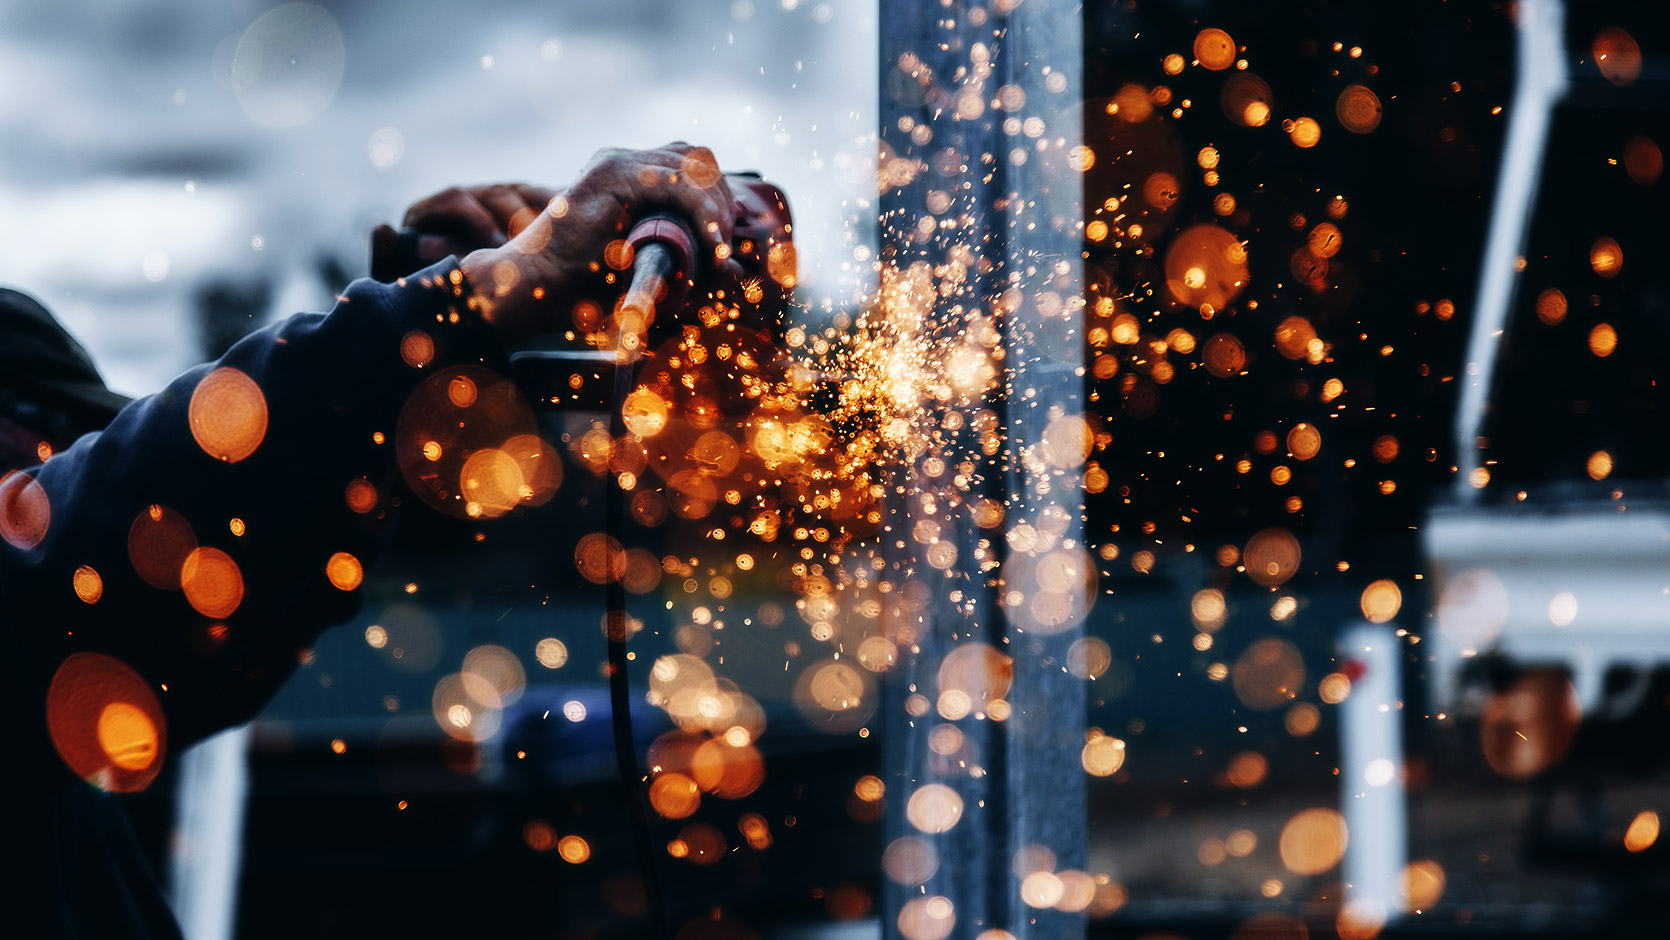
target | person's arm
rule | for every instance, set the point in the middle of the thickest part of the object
(97, 556)
(255, 476)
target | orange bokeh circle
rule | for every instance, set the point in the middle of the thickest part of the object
(106, 723)
(228, 415)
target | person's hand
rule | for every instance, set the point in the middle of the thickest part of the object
(531, 284)
(459, 220)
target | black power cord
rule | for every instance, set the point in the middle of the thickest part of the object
(617, 630)
(654, 266)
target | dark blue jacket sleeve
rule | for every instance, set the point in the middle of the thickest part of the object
(95, 518)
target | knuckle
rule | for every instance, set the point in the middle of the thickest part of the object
(608, 158)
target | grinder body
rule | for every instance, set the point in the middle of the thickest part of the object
(679, 290)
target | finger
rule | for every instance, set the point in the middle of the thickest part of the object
(700, 167)
(425, 207)
(536, 196)
(643, 180)
(432, 248)
(456, 210)
(698, 163)
(727, 199)
(701, 191)
(509, 209)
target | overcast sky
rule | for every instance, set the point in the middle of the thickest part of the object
(146, 145)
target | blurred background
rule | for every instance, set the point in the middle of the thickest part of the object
(146, 160)
(1382, 540)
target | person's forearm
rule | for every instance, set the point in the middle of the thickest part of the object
(260, 470)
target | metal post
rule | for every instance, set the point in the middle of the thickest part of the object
(1372, 797)
(1539, 84)
(981, 133)
(208, 849)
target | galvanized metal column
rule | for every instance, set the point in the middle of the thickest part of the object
(1372, 795)
(981, 198)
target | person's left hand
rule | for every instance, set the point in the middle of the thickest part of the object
(459, 220)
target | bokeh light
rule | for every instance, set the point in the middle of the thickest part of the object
(25, 511)
(1247, 769)
(1422, 884)
(702, 844)
(929, 918)
(1617, 56)
(1271, 556)
(551, 652)
(287, 65)
(1214, 49)
(573, 849)
(1643, 160)
(344, 571)
(1305, 132)
(1599, 465)
(1381, 601)
(1269, 674)
(106, 722)
(1642, 832)
(159, 541)
(1245, 99)
(1302, 719)
(1304, 441)
(1360, 919)
(1528, 727)
(1206, 267)
(467, 444)
(1603, 340)
(1313, 841)
(1358, 109)
(228, 415)
(1102, 756)
(1606, 257)
(88, 585)
(674, 795)
(493, 676)
(727, 771)
(212, 582)
(1551, 306)
(910, 860)
(1473, 608)
(934, 808)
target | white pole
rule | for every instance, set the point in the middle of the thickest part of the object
(1538, 87)
(209, 830)
(1372, 795)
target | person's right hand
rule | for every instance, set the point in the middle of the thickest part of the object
(531, 284)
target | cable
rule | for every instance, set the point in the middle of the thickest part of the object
(654, 265)
(620, 695)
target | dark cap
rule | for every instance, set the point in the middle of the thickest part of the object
(38, 358)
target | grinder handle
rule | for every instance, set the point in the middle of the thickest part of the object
(662, 281)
